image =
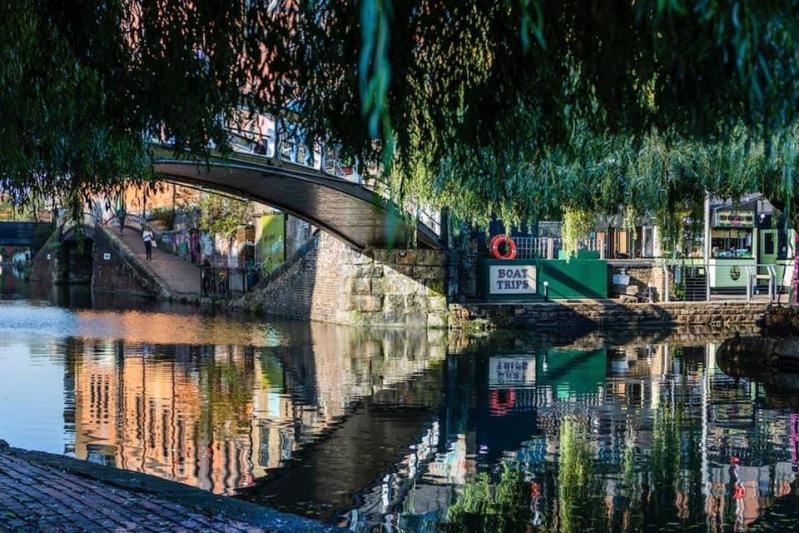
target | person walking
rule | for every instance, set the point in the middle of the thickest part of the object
(207, 272)
(121, 217)
(147, 236)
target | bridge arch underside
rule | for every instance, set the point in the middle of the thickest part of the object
(347, 210)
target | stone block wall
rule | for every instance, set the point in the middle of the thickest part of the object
(331, 282)
(604, 314)
(643, 274)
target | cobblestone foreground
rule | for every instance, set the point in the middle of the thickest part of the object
(42, 497)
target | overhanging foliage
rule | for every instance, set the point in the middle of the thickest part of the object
(517, 107)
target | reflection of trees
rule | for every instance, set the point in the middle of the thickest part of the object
(661, 489)
(507, 504)
(228, 384)
(487, 506)
(579, 506)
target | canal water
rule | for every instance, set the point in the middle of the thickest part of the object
(402, 430)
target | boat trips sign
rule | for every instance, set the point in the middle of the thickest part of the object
(512, 279)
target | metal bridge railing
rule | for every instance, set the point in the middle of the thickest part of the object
(322, 158)
(137, 223)
(280, 139)
(67, 223)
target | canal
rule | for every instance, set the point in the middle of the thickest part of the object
(399, 429)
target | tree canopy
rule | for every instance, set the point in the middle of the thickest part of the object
(516, 107)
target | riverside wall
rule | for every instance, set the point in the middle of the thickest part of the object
(606, 314)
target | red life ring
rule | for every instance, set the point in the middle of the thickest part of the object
(498, 241)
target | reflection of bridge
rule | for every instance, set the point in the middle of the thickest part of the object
(307, 183)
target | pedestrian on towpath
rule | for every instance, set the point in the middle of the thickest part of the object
(121, 218)
(147, 236)
(207, 272)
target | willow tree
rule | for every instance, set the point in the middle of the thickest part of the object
(516, 107)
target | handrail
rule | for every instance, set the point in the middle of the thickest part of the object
(67, 223)
(139, 223)
(717, 277)
(548, 247)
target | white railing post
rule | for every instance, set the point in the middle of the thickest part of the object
(323, 158)
(748, 283)
(772, 282)
(666, 284)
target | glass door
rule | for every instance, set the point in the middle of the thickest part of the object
(767, 252)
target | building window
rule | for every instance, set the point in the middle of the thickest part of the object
(731, 243)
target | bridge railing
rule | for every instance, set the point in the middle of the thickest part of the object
(277, 138)
(68, 223)
(138, 223)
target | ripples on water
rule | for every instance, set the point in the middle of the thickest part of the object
(396, 429)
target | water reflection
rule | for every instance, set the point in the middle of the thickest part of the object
(406, 430)
(13, 281)
(217, 416)
(619, 438)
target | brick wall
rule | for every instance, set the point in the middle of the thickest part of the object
(331, 282)
(116, 272)
(44, 263)
(604, 314)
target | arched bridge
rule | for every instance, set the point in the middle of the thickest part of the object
(288, 175)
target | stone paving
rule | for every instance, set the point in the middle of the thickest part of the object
(180, 276)
(35, 497)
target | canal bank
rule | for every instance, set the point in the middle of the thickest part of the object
(43, 491)
(606, 314)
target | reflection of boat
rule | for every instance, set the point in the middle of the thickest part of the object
(512, 391)
(511, 370)
(574, 372)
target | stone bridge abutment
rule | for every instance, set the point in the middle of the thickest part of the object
(332, 282)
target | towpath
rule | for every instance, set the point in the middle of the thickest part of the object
(180, 277)
(46, 492)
